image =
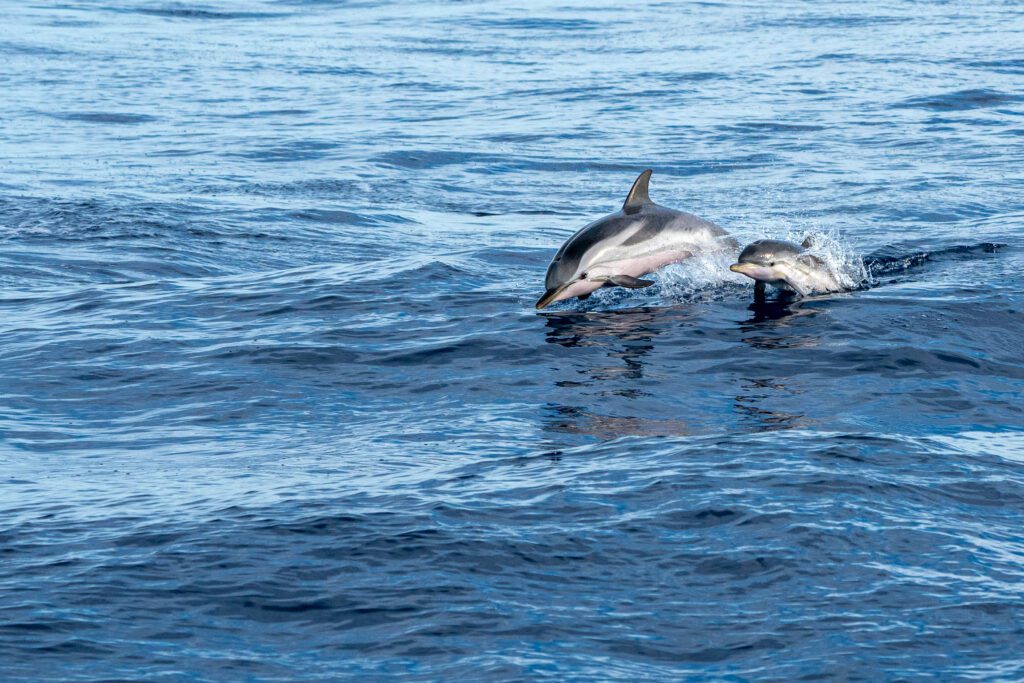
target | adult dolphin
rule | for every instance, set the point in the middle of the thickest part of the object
(622, 247)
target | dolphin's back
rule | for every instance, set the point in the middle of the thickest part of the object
(654, 220)
(660, 218)
(764, 251)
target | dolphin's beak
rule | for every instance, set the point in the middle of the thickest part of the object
(739, 268)
(549, 296)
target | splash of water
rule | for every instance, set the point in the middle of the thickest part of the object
(704, 277)
(840, 257)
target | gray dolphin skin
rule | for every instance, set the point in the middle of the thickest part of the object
(787, 266)
(619, 249)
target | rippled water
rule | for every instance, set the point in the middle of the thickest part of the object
(277, 405)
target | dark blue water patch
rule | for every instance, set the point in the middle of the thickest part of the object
(72, 23)
(523, 138)
(521, 212)
(838, 57)
(73, 239)
(292, 356)
(110, 218)
(321, 188)
(198, 12)
(684, 76)
(1011, 66)
(671, 96)
(451, 47)
(104, 117)
(424, 159)
(268, 113)
(340, 217)
(12, 48)
(377, 191)
(332, 70)
(897, 258)
(179, 152)
(537, 24)
(817, 22)
(961, 100)
(289, 151)
(772, 130)
(572, 93)
(953, 123)
(427, 159)
(424, 86)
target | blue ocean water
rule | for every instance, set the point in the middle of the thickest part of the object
(276, 404)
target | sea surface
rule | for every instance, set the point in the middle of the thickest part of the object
(276, 405)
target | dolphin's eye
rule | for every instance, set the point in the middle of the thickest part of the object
(772, 264)
(583, 276)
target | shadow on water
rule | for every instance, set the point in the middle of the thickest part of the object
(621, 386)
(770, 329)
(755, 401)
(627, 337)
(580, 421)
(629, 334)
(772, 308)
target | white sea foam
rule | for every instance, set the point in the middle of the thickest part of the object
(704, 277)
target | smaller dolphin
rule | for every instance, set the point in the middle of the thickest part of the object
(622, 247)
(787, 266)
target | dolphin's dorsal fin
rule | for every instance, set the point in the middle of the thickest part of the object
(638, 196)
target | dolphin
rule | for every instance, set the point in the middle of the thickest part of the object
(788, 266)
(622, 247)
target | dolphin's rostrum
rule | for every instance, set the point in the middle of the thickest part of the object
(619, 249)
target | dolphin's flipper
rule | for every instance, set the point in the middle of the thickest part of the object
(638, 197)
(629, 282)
